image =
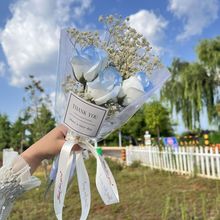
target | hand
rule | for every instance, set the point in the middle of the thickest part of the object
(47, 147)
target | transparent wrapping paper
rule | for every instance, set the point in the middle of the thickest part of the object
(114, 120)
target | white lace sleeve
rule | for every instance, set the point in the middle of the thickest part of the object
(14, 180)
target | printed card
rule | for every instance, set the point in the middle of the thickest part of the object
(84, 117)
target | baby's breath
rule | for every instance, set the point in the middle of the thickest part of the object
(127, 49)
(72, 85)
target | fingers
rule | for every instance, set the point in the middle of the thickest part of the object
(62, 129)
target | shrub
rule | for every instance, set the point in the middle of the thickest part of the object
(135, 164)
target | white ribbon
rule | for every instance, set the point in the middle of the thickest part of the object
(105, 182)
(84, 186)
(64, 165)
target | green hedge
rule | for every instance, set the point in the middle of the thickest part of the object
(215, 138)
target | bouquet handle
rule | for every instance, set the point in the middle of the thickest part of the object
(62, 177)
(105, 182)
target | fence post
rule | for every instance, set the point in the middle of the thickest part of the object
(176, 153)
(184, 160)
(166, 160)
(181, 160)
(197, 161)
(150, 157)
(171, 158)
(212, 163)
(207, 161)
(192, 160)
(160, 156)
(217, 161)
(188, 162)
(156, 158)
(128, 156)
(202, 158)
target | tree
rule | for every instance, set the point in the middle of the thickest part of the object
(157, 119)
(136, 125)
(39, 119)
(208, 52)
(18, 134)
(152, 116)
(34, 97)
(133, 129)
(42, 124)
(4, 132)
(198, 94)
(190, 90)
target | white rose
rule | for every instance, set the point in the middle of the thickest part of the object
(134, 87)
(88, 63)
(105, 87)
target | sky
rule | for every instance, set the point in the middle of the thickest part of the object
(29, 36)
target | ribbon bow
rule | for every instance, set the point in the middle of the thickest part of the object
(105, 181)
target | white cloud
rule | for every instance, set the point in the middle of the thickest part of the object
(79, 10)
(151, 26)
(30, 38)
(2, 68)
(195, 14)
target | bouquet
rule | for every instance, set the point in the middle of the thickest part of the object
(102, 80)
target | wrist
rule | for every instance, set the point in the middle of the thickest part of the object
(32, 157)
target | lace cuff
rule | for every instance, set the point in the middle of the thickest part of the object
(14, 180)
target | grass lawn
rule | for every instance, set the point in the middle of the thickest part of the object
(144, 194)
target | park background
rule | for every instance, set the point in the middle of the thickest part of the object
(184, 34)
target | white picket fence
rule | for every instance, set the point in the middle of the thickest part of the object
(201, 161)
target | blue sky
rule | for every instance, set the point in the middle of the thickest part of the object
(29, 35)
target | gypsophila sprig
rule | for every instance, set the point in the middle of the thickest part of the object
(128, 50)
(84, 38)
